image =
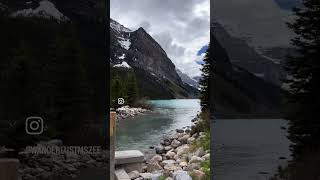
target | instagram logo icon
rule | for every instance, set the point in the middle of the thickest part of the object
(34, 125)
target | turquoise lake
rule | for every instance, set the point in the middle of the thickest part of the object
(146, 130)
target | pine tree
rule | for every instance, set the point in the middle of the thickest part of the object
(304, 73)
(116, 91)
(204, 82)
(132, 89)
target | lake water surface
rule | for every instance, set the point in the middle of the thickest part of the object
(248, 149)
(145, 130)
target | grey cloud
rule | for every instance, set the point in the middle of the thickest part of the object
(145, 25)
(166, 42)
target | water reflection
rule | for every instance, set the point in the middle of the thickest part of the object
(249, 149)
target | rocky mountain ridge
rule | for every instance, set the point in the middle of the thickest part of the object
(239, 93)
(246, 57)
(148, 60)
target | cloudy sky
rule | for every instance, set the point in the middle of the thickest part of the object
(260, 22)
(182, 27)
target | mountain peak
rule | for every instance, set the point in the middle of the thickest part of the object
(118, 27)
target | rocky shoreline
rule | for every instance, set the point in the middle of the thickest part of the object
(176, 158)
(43, 166)
(125, 112)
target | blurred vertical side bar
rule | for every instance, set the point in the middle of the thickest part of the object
(9, 169)
(112, 144)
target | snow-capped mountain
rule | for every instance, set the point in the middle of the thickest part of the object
(69, 10)
(138, 50)
(46, 9)
(246, 57)
(186, 79)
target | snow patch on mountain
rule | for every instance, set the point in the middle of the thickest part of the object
(261, 75)
(125, 43)
(46, 9)
(122, 56)
(122, 65)
(276, 61)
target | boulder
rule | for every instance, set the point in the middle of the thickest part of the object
(156, 158)
(179, 135)
(193, 166)
(160, 150)
(171, 167)
(195, 159)
(184, 139)
(179, 130)
(183, 149)
(162, 142)
(156, 176)
(134, 174)
(188, 131)
(181, 175)
(175, 143)
(198, 175)
(167, 148)
(170, 154)
(146, 175)
(168, 178)
(183, 164)
(154, 167)
(206, 157)
(199, 152)
(165, 162)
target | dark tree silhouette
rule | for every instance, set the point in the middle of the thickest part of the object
(204, 82)
(303, 68)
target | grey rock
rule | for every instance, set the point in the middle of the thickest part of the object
(175, 143)
(156, 158)
(156, 176)
(181, 175)
(134, 174)
(183, 149)
(193, 166)
(195, 159)
(165, 162)
(160, 150)
(171, 167)
(167, 148)
(206, 157)
(154, 167)
(170, 154)
(197, 174)
(179, 131)
(184, 139)
(146, 176)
